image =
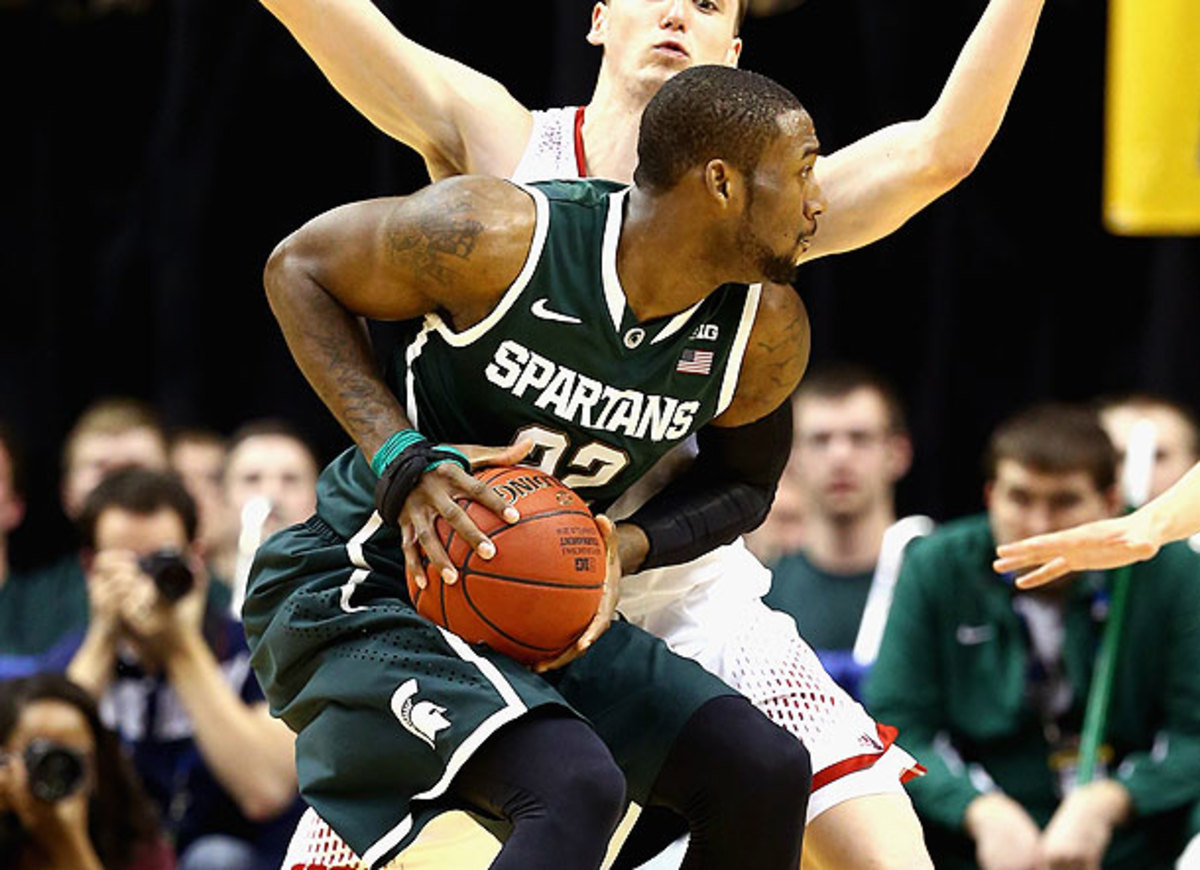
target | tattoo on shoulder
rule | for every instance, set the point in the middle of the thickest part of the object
(785, 358)
(436, 240)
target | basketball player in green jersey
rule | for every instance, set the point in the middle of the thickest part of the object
(506, 290)
(461, 121)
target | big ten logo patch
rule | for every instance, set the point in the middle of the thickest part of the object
(706, 332)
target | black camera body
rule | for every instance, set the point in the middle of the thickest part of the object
(170, 573)
(53, 770)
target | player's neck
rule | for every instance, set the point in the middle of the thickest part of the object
(665, 257)
(610, 128)
(847, 545)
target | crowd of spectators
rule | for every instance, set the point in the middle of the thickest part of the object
(126, 656)
(123, 661)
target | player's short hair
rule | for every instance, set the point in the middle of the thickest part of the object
(709, 112)
(840, 379)
(112, 416)
(271, 426)
(1054, 438)
(141, 492)
(743, 6)
(1147, 401)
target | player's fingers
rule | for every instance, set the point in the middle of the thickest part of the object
(480, 492)
(454, 514)
(431, 545)
(412, 556)
(484, 457)
(572, 652)
(1048, 573)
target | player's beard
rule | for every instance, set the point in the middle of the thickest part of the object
(774, 267)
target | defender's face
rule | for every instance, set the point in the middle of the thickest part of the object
(650, 40)
(1024, 501)
(784, 201)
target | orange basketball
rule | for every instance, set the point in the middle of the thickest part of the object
(538, 594)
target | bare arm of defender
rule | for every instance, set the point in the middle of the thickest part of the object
(876, 184)
(1108, 543)
(454, 247)
(459, 120)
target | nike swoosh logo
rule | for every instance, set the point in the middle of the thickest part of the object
(539, 309)
(973, 635)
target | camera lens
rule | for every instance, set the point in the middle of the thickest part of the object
(54, 771)
(170, 573)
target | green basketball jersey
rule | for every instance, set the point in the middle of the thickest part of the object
(562, 360)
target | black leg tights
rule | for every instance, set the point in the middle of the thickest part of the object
(556, 782)
(740, 784)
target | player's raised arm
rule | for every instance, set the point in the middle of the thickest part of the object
(459, 120)
(1109, 543)
(876, 184)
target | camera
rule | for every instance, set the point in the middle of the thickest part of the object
(53, 770)
(170, 573)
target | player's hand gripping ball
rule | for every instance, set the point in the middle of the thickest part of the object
(538, 594)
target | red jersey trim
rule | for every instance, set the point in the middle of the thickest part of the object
(847, 766)
(580, 157)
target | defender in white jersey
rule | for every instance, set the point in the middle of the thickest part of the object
(464, 122)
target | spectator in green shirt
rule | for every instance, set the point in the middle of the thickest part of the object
(850, 446)
(988, 683)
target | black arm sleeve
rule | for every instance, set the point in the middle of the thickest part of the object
(726, 492)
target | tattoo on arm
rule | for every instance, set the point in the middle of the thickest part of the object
(430, 246)
(785, 359)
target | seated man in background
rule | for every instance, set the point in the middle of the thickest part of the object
(271, 483)
(989, 683)
(111, 433)
(1176, 433)
(199, 457)
(850, 446)
(175, 681)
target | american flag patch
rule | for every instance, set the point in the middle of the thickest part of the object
(695, 362)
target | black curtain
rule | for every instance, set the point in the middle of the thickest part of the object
(153, 155)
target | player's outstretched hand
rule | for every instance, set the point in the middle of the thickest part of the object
(1091, 547)
(608, 601)
(435, 496)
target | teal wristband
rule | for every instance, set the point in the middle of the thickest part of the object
(458, 456)
(393, 447)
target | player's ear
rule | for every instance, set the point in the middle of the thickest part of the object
(599, 24)
(900, 455)
(735, 52)
(722, 182)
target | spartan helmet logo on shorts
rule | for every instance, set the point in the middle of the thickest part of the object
(422, 718)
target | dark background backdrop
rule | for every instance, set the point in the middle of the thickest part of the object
(152, 158)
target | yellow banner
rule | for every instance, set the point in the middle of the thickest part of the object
(1152, 149)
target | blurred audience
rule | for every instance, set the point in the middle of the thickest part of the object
(988, 684)
(269, 458)
(1176, 434)
(69, 798)
(849, 448)
(112, 433)
(199, 457)
(173, 673)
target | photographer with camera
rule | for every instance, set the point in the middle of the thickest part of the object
(173, 672)
(69, 798)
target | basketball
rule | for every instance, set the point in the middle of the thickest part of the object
(540, 591)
